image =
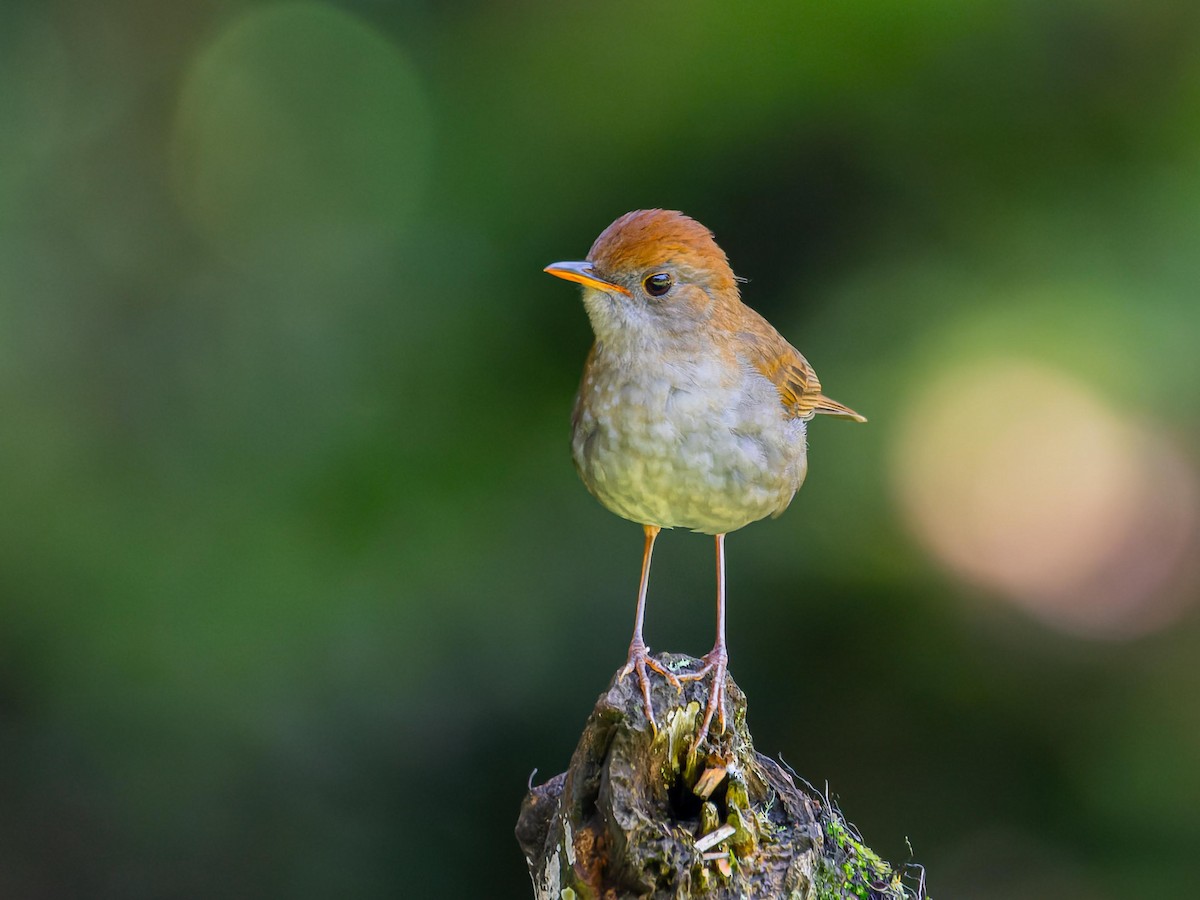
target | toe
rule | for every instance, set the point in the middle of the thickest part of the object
(646, 704)
(715, 707)
(666, 673)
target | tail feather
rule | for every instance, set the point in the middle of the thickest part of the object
(833, 408)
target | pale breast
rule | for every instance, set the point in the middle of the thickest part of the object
(692, 445)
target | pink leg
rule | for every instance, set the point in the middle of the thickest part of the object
(639, 654)
(716, 660)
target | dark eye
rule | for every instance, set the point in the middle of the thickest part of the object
(658, 284)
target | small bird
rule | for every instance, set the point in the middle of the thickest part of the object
(692, 409)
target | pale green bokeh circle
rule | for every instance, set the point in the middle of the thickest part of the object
(300, 130)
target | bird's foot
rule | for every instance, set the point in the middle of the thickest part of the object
(638, 662)
(716, 662)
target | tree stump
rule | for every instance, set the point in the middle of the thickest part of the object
(639, 814)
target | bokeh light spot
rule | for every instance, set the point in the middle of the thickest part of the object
(300, 132)
(1022, 480)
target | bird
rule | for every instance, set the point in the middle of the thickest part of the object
(692, 409)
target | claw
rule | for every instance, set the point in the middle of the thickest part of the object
(638, 662)
(715, 662)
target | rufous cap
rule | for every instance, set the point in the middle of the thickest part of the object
(647, 238)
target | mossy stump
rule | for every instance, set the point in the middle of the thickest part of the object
(639, 814)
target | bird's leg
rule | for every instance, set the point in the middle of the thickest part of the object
(716, 660)
(639, 654)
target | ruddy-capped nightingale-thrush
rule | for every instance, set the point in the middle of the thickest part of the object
(692, 409)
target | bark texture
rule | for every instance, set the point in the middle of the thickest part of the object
(639, 814)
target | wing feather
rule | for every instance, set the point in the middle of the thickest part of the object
(786, 368)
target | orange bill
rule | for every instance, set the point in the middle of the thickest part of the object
(583, 273)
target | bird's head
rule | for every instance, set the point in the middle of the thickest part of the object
(651, 274)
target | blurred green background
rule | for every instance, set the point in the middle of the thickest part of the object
(297, 582)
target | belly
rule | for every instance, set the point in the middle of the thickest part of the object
(711, 461)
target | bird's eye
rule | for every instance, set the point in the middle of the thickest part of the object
(658, 284)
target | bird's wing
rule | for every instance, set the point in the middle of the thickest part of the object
(786, 368)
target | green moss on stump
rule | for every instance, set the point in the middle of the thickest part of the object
(849, 870)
